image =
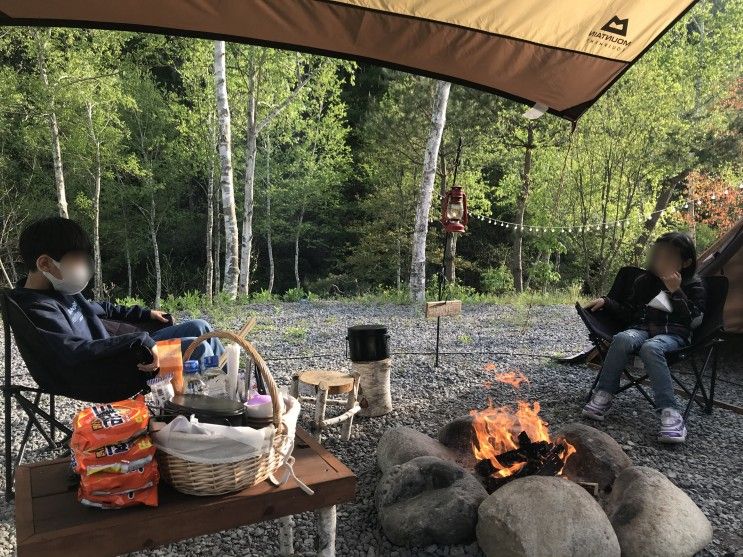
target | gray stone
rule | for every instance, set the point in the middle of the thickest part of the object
(401, 444)
(457, 435)
(428, 500)
(539, 516)
(654, 518)
(598, 457)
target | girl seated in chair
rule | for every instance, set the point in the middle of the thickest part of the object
(666, 304)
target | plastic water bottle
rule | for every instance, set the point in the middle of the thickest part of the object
(192, 377)
(214, 377)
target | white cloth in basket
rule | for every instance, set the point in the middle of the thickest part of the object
(217, 444)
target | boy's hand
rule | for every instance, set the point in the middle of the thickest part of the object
(596, 305)
(154, 365)
(157, 315)
(672, 281)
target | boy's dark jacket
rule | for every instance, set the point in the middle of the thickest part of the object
(80, 348)
(688, 304)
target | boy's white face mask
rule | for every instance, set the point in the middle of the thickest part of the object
(73, 281)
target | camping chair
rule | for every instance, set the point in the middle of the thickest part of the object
(37, 358)
(705, 340)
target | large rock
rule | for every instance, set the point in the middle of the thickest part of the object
(540, 516)
(401, 444)
(598, 458)
(654, 518)
(428, 500)
(457, 435)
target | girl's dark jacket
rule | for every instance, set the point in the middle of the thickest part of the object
(688, 304)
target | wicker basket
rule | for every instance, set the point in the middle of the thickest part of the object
(215, 479)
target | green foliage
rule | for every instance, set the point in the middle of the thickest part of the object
(128, 302)
(294, 295)
(543, 275)
(497, 280)
(190, 302)
(262, 296)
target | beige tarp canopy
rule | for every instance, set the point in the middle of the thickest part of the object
(562, 54)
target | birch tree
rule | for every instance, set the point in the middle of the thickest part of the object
(418, 260)
(226, 185)
(42, 36)
(261, 63)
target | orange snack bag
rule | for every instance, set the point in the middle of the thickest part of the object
(120, 458)
(110, 484)
(146, 496)
(171, 361)
(108, 424)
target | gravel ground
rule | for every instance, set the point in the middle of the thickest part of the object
(708, 467)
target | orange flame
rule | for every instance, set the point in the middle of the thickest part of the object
(496, 429)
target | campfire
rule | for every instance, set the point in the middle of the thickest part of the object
(511, 444)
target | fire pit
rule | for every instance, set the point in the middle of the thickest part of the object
(510, 444)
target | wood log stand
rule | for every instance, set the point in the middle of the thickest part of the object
(325, 522)
(328, 382)
(374, 387)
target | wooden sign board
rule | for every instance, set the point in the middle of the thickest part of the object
(443, 309)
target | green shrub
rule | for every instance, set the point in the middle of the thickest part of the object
(497, 280)
(128, 301)
(262, 296)
(190, 302)
(293, 295)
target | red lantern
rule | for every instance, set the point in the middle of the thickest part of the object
(454, 210)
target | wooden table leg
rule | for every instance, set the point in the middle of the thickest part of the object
(325, 525)
(286, 535)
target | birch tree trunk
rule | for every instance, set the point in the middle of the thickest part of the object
(517, 263)
(251, 151)
(217, 244)
(155, 252)
(208, 287)
(418, 259)
(269, 241)
(296, 244)
(97, 264)
(128, 256)
(232, 247)
(53, 129)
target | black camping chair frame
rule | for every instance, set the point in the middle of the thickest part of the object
(29, 399)
(705, 342)
(44, 421)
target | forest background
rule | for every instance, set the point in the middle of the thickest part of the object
(209, 171)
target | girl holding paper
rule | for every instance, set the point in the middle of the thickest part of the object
(666, 303)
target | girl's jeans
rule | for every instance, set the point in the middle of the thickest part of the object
(652, 353)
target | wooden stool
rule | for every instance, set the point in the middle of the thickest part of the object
(328, 382)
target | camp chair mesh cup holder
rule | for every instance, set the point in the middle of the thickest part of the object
(705, 340)
(29, 398)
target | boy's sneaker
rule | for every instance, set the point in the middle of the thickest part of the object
(598, 406)
(672, 427)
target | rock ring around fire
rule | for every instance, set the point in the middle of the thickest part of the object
(540, 516)
(428, 500)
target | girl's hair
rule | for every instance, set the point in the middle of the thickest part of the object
(685, 245)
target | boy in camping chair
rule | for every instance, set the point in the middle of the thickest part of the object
(56, 252)
(666, 303)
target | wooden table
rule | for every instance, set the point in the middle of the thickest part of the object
(50, 521)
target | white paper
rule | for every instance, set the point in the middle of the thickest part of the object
(662, 302)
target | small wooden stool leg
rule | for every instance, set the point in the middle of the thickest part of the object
(325, 524)
(295, 386)
(286, 535)
(321, 403)
(350, 403)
